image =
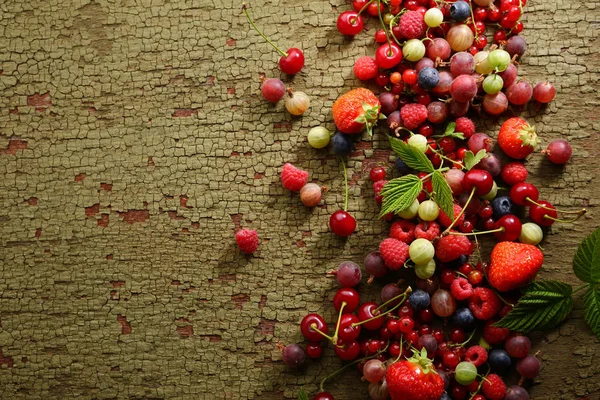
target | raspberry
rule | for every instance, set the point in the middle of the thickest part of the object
(365, 68)
(413, 115)
(247, 240)
(445, 220)
(465, 126)
(461, 289)
(451, 247)
(430, 232)
(403, 231)
(513, 173)
(505, 310)
(494, 335)
(477, 355)
(394, 253)
(484, 303)
(412, 25)
(377, 186)
(493, 387)
(293, 178)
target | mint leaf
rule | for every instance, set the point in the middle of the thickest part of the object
(398, 194)
(544, 305)
(472, 160)
(591, 309)
(411, 155)
(442, 194)
(302, 395)
(586, 263)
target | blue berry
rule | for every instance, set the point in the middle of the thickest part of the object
(445, 397)
(428, 78)
(463, 317)
(499, 361)
(460, 11)
(419, 299)
(502, 206)
(400, 166)
(342, 144)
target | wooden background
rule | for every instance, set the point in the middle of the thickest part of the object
(133, 141)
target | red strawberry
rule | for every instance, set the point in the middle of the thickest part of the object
(517, 138)
(513, 265)
(355, 110)
(414, 379)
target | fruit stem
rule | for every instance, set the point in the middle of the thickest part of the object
(314, 328)
(337, 326)
(582, 211)
(465, 342)
(387, 36)
(460, 213)
(346, 184)
(245, 8)
(566, 221)
(408, 290)
(446, 158)
(501, 229)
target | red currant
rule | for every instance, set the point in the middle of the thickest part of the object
(314, 350)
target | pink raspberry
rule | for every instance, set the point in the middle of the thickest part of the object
(451, 247)
(403, 230)
(484, 303)
(493, 387)
(445, 220)
(412, 25)
(494, 335)
(476, 355)
(413, 114)
(513, 173)
(365, 68)
(377, 186)
(293, 178)
(461, 289)
(247, 240)
(465, 126)
(394, 253)
(430, 232)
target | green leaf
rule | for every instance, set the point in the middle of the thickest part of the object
(411, 155)
(472, 160)
(544, 305)
(450, 129)
(591, 309)
(586, 263)
(302, 395)
(443, 194)
(399, 193)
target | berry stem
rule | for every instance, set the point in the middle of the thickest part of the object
(337, 326)
(465, 342)
(582, 211)
(403, 295)
(501, 229)
(245, 8)
(461, 212)
(387, 36)
(566, 221)
(446, 158)
(408, 290)
(346, 184)
(314, 328)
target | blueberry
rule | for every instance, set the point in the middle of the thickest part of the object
(502, 206)
(428, 78)
(460, 10)
(419, 299)
(454, 264)
(445, 397)
(499, 361)
(342, 144)
(400, 166)
(463, 317)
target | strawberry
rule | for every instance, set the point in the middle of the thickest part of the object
(414, 379)
(355, 110)
(513, 265)
(517, 138)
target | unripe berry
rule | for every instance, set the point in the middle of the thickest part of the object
(425, 271)
(428, 210)
(421, 251)
(531, 233)
(411, 211)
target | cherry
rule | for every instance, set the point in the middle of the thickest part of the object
(478, 179)
(512, 228)
(359, 4)
(348, 295)
(348, 332)
(350, 23)
(380, 36)
(466, 226)
(425, 315)
(377, 173)
(486, 211)
(374, 10)
(451, 359)
(323, 396)
(543, 216)
(347, 351)
(314, 350)
(388, 56)
(406, 311)
(426, 129)
(522, 193)
(367, 311)
(457, 335)
(382, 79)
(308, 325)
(342, 223)
(447, 144)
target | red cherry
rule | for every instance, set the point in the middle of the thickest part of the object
(347, 351)
(373, 10)
(388, 56)
(451, 360)
(377, 173)
(342, 223)
(323, 396)
(369, 310)
(426, 129)
(479, 179)
(521, 191)
(349, 23)
(348, 332)
(539, 214)
(313, 321)
(348, 295)
(314, 350)
(380, 36)
(293, 62)
(406, 311)
(512, 228)
(359, 4)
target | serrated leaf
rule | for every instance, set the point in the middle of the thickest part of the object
(544, 305)
(399, 193)
(411, 156)
(443, 194)
(586, 263)
(591, 309)
(472, 160)
(450, 128)
(302, 395)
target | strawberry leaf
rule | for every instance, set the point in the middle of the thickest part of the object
(442, 194)
(586, 263)
(302, 395)
(472, 160)
(411, 156)
(591, 309)
(544, 305)
(399, 193)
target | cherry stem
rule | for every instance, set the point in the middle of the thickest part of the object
(346, 183)
(245, 8)
(337, 326)
(403, 295)
(566, 221)
(501, 229)
(465, 342)
(407, 291)
(461, 213)
(387, 36)
(314, 328)
(446, 158)
(582, 211)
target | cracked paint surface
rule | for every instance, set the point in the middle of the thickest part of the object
(134, 142)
